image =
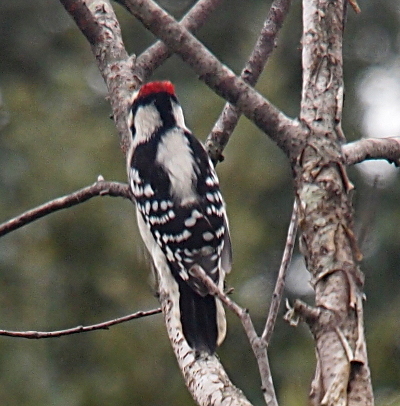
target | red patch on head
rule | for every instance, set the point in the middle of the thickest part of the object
(157, 87)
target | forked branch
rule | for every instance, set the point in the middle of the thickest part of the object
(265, 44)
(257, 344)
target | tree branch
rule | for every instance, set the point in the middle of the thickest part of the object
(258, 345)
(114, 63)
(204, 376)
(280, 282)
(99, 188)
(79, 329)
(266, 42)
(217, 76)
(157, 54)
(372, 148)
(83, 18)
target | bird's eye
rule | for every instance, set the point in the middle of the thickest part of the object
(133, 131)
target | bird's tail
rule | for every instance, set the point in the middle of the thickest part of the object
(202, 318)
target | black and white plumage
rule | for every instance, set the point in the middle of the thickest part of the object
(180, 211)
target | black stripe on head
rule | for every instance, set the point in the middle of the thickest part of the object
(162, 102)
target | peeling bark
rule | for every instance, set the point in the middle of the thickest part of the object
(326, 217)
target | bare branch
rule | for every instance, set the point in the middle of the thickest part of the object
(79, 329)
(372, 148)
(355, 6)
(99, 188)
(266, 42)
(280, 282)
(257, 344)
(84, 19)
(114, 63)
(217, 76)
(154, 56)
(204, 376)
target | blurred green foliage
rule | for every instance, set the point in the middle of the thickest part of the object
(87, 264)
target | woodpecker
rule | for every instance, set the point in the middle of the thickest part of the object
(180, 211)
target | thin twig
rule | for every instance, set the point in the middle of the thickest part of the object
(257, 344)
(79, 329)
(265, 44)
(280, 282)
(367, 215)
(355, 6)
(99, 188)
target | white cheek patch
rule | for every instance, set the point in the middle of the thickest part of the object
(147, 120)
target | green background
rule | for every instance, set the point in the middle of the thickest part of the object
(87, 264)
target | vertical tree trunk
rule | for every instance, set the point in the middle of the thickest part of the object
(326, 217)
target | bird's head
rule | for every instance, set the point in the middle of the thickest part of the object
(154, 107)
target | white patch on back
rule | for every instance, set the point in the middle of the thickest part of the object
(180, 168)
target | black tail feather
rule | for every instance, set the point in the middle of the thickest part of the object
(198, 318)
